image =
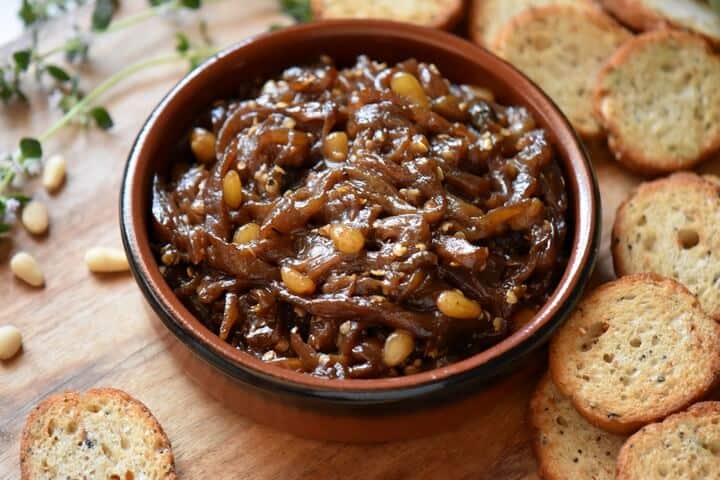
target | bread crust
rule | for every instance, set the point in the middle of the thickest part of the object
(599, 18)
(635, 14)
(594, 16)
(448, 21)
(632, 156)
(546, 469)
(478, 21)
(705, 185)
(629, 450)
(628, 424)
(36, 414)
(621, 268)
(74, 398)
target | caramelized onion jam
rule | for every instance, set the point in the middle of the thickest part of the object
(372, 221)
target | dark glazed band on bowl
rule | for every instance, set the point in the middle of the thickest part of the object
(270, 53)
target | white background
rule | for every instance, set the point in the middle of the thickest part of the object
(10, 25)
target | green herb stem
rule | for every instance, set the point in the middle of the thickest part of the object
(123, 23)
(107, 84)
(52, 51)
(5, 181)
(141, 16)
(146, 14)
(113, 80)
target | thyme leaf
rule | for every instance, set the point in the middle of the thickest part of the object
(30, 148)
(77, 107)
(103, 14)
(298, 9)
(101, 117)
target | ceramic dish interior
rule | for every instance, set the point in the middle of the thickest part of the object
(267, 55)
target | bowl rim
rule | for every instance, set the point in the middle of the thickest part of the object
(249, 369)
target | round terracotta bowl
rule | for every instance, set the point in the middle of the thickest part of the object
(351, 410)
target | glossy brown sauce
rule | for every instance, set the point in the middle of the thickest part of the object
(364, 222)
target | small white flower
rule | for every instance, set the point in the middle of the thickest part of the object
(11, 209)
(32, 166)
(55, 97)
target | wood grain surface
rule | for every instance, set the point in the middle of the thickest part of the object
(83, 331)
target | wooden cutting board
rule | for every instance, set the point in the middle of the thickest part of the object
(83, 331)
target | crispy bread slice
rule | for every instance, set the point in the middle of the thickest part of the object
(634, 351)
(694, 15)
(669, 227)
(443, 14)
(488, 17)
(684, 446)
(102, 433)
(657, 96)
(566, 445)
(562, 48)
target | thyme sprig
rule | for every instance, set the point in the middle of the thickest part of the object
(77, 107)
(25, 161)
(75, 48)
(34, 12)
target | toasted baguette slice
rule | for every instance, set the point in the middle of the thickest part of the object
(103, 433)
(658, 98)
(488, 17)
(634, 351)
(443, 14)
(672, 227)
(562, 48)
(694, 15)
(565, 444)
(685, 446)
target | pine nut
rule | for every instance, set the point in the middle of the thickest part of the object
(336, 146)
(53, 173)
(498, 323)
(202, 144)
(106, 260)
(10, 341)
(482, 93)
(448, 106)
(168, 256)
(345, 327)
(456, 305)
(406, 85)
(420, 144)
(296, 282)
(26, 268)
(35, 218)
(246, 233)
(347, 239)
(399, 250)
(232, 189)
(398, 346)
